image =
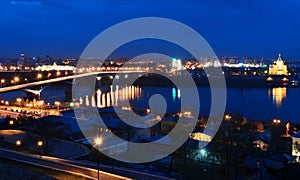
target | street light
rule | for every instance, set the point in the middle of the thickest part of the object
(2, 82)
(227, 117)
(18, 143)
(16, 79)
(148, 111)
(203, 152)
(98, 142)
(40, 143)
(57, 103)
(19, 101)
(39, 76)
(276, 121)
(11, 122)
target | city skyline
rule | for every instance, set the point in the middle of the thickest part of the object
(63, 29)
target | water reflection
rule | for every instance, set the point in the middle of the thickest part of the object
(115, 96)
(278, 94)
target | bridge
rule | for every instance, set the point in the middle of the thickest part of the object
(59, 79)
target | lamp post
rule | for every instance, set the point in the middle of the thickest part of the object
(2, 82)
(57, 103)
(39, 76)
(18, 143)
(16, 79)
(11, 124)
(148, 110)
(40, 144)
(49, 74)
(58, 73)
(98, 142)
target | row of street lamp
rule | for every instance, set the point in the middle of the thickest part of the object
(39, 76)
(98, 142)
(39, 143)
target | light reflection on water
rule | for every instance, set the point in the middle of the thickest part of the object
(258, 103)
(278, 94)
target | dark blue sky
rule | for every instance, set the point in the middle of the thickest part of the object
(62, 28)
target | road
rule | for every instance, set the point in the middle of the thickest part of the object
(120, 171)
(57, 164)
(78, 168)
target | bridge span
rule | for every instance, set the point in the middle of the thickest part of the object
(59, 79)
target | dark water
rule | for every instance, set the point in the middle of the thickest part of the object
(253, 103)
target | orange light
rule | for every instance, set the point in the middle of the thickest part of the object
(269, 79)
(227, 117)
(18, 143)
(39, 76)
(148, 111)
(98, 141)
(40, 143)
(16, 79)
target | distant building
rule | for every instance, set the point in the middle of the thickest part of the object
(55, 67)
(278, 68)
(21, 61)
(296, 145)
(198, 136)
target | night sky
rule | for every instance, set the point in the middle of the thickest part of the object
(62, 28)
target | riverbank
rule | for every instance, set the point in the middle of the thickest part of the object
(231, 81)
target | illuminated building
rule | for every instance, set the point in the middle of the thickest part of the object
(278, 68)
(296, 145)
(21, 61)
(176, 64)
(54, 67)
(201, 137)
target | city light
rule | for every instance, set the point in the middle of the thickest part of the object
(98, 141)
(276, 121)
(227, 117)
(57, 103)
(40, 143)
(18, 143)
(11, 122)
(39, 76)
(16, 79)
(203, 152)
(148, 111)
(2, 82)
